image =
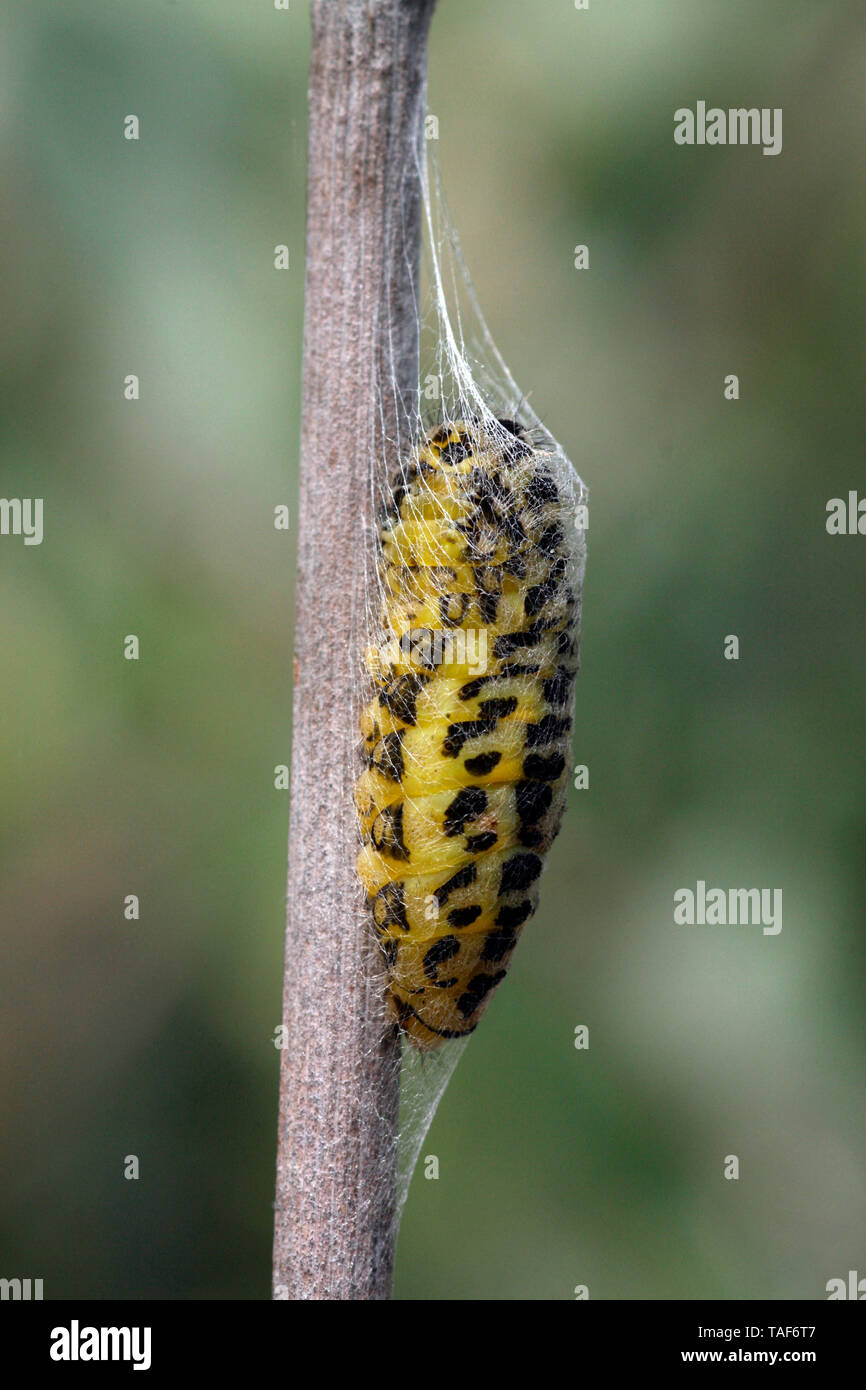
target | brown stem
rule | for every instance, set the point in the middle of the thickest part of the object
(334, 1223)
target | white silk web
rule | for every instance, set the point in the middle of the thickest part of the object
(463, 378)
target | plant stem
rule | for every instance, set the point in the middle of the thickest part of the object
(334, 1211)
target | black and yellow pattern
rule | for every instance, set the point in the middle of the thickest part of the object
(467, 741)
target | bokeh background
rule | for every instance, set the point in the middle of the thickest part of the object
(557, 1167)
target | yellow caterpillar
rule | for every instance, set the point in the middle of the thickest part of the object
(467, 740)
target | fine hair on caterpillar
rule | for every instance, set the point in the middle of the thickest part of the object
(466, 742)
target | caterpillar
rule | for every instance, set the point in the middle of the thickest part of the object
(466, 741)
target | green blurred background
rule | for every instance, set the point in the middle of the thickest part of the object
(557, 1167)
